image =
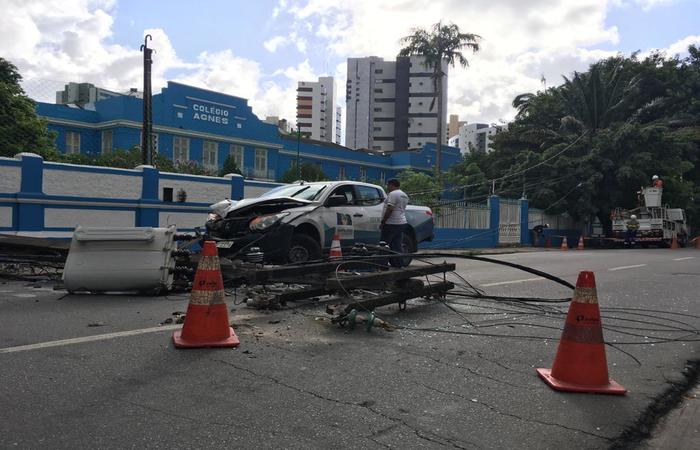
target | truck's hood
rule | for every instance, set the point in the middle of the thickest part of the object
(225, 207)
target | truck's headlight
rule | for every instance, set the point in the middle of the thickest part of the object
(262, 223)
(213, 217)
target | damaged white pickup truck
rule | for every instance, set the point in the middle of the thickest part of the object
(296, 223)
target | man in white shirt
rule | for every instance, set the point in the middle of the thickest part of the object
(394, 221)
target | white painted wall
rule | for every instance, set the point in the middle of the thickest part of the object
(10, 179)
(197, 191)
(182, 219)
(63, 217)
(5, 216)
(91, 184)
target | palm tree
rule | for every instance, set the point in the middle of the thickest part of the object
(600, 96)
(522, 102)
(442, 43)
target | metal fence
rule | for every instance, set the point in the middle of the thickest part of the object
(462, 214)
(509, 224)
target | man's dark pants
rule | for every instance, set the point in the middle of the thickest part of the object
(392, 234)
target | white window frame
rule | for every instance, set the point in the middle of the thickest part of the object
(209, 149)
(237, 151)
(363, 173)
(261, 157)
(107, 144)
(72, 142)
(181, 144)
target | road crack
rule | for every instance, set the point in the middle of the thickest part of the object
(465, 368)
(421, 434)
(515, 416)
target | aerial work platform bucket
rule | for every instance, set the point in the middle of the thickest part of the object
(652, 197)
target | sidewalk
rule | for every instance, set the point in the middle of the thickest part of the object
(680, 429)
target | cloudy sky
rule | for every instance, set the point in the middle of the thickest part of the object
(259, 50)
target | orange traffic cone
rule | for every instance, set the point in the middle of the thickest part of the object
(206, 322)
(580, 364)
(564, 244)
(580, 243)
(674, 243)
(336, 251)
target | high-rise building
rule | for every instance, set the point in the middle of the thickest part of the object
(477, 137)
(453, 126)
(389, 104)
(338, 118)
(316, 109)
(283, 124)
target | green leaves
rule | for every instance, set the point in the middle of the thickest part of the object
(309, 172)
(20, 128)
(640, 118)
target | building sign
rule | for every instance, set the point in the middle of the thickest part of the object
(210, 113)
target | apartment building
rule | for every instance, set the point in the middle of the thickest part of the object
(316, 109)
(453, 126)
(477, 137)
(389, 104)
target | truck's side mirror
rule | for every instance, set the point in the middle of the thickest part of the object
(337, 200)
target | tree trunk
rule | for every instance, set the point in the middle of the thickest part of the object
(438, 141)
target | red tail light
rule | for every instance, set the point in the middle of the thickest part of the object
(429, 212)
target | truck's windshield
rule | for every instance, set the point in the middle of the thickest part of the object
(305, 192)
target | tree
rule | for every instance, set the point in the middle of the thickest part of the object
(468, 175)
(309, 172)
(21, 130)
(230, 166)
(522, 103)
(421, 188)
(586, 146)
(441, 44)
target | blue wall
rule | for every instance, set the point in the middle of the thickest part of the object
(203, 115)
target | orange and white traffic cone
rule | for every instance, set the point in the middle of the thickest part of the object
(674, 243)
(564, 244)
(580, 243)
(206, 322)
(336, 250)
(580, 364)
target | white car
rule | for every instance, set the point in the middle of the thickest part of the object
(297, 222)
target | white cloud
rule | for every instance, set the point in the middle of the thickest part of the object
(56, 41)
(272, 44)
(521, 41)
(681, 47)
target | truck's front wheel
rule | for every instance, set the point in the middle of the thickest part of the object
(303, 248)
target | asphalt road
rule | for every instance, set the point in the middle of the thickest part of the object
(297, 381)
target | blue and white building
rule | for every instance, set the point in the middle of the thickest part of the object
(194, 124)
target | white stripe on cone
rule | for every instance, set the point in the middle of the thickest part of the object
(336, 251)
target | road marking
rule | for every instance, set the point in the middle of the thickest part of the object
(626, 267)
(512, 282)
(24, 295)
(683, 259)
(80, 340)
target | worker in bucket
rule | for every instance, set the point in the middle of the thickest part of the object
(394, 222)
(632, 227)
(657, 182)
